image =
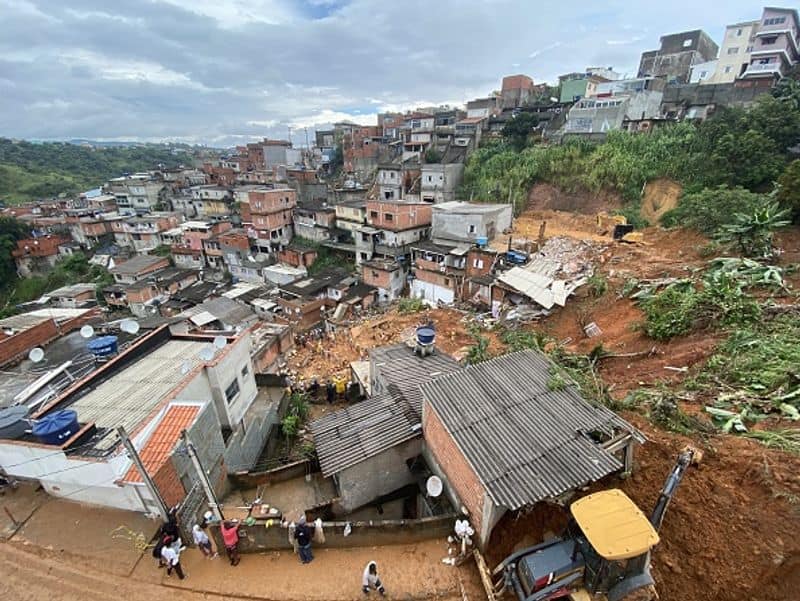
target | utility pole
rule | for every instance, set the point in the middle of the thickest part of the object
(201, 473)
(163, 510)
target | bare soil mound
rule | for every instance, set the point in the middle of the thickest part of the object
(660, 196)
(546, 197)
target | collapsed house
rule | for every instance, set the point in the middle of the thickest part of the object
(368, 447)
(503, 438)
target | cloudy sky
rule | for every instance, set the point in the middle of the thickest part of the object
(223, 72)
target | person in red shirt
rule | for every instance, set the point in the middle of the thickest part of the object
(230, 536)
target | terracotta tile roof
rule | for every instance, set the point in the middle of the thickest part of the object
(158, 447)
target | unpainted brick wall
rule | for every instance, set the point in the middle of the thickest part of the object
(459, 474)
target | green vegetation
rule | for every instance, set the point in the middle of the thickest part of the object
(754, 231)
(710, 208)
(11, 230)
(598, 285)
(516, 132)
(326, 257)
(433, 156)
(479, 351)
(718, 299)
(408, 305)
(520, 340)
(72, 269)
(736, 148)
(33, 171)
(296, 415)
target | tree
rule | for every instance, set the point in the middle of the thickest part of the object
(518, 128)
(754, 231)
(788, 190)
(11, 230)
(709, 209)
(433, 156)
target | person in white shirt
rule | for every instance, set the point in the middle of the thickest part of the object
(202, 541)
(173, 559)
(371, 580)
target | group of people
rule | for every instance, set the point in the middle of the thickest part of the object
(169, 546)
(335, 389)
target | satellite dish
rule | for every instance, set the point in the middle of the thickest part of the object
(87, 331)
(36, 354)
(185, 367)
(131, 326)
(207, 352)
(434, 486)
(220, 342)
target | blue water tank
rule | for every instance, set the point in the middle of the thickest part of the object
(103, 346)
(426, 335)
(57, 427)
(482, 241)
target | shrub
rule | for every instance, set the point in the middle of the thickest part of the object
(410, 305)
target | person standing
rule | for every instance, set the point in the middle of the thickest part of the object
(303, 534)
(202, 541)
(371, 580)
(230, 536)
(172, 558)
(330, 392)
(341, 386)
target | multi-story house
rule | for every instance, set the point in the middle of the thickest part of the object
(392, 226)
(776, 48)
(280, 153)
(267, 215)
(314, 220)
(516, 90)
(676, 55)
(361, 148)
(459, 223)
(484, 107)
(439, 272)
(439, 181)
(37, 255)
(137, 193)
(387, 275)
(734, 55)
(143, 233)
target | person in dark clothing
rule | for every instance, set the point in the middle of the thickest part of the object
(330, 392)
(303, 535)
(314, 389)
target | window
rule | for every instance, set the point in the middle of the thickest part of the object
(232, 390)
(391, 174)
(477, 263)
(733, 50)
(373, 214)
(687, 43)
(245, 371)
(471, 229)
(703, 74)
(727, 69)
(388, 217)
(769, 41)
(738, 32)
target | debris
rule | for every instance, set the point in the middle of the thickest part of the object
(592, 330)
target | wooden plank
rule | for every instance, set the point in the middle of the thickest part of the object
(483, 570)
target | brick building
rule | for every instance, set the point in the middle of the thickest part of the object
(267, 216)
(37, 255)
(503, 441)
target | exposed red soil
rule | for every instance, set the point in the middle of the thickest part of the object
(546, 197)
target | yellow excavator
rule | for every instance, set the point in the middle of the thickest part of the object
(604, 553)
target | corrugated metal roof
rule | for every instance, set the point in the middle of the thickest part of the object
(526, 443)
(365, 429)
(399, 366)
(362, 430)
(128, 397)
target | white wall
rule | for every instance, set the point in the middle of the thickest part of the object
(431, 293)
(220, 376)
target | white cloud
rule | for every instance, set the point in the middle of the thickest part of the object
(625, 42)
(233, 14)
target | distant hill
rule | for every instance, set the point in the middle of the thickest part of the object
(31, 171)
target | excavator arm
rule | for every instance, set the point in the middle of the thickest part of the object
(687, 457)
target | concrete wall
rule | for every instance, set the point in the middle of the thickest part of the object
(363, 534)
(457, 227)
(247, 441)
(377, 476)
(224, 372)
(431, 292)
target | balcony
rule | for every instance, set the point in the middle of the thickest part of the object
(759, 70)
(392, 251)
